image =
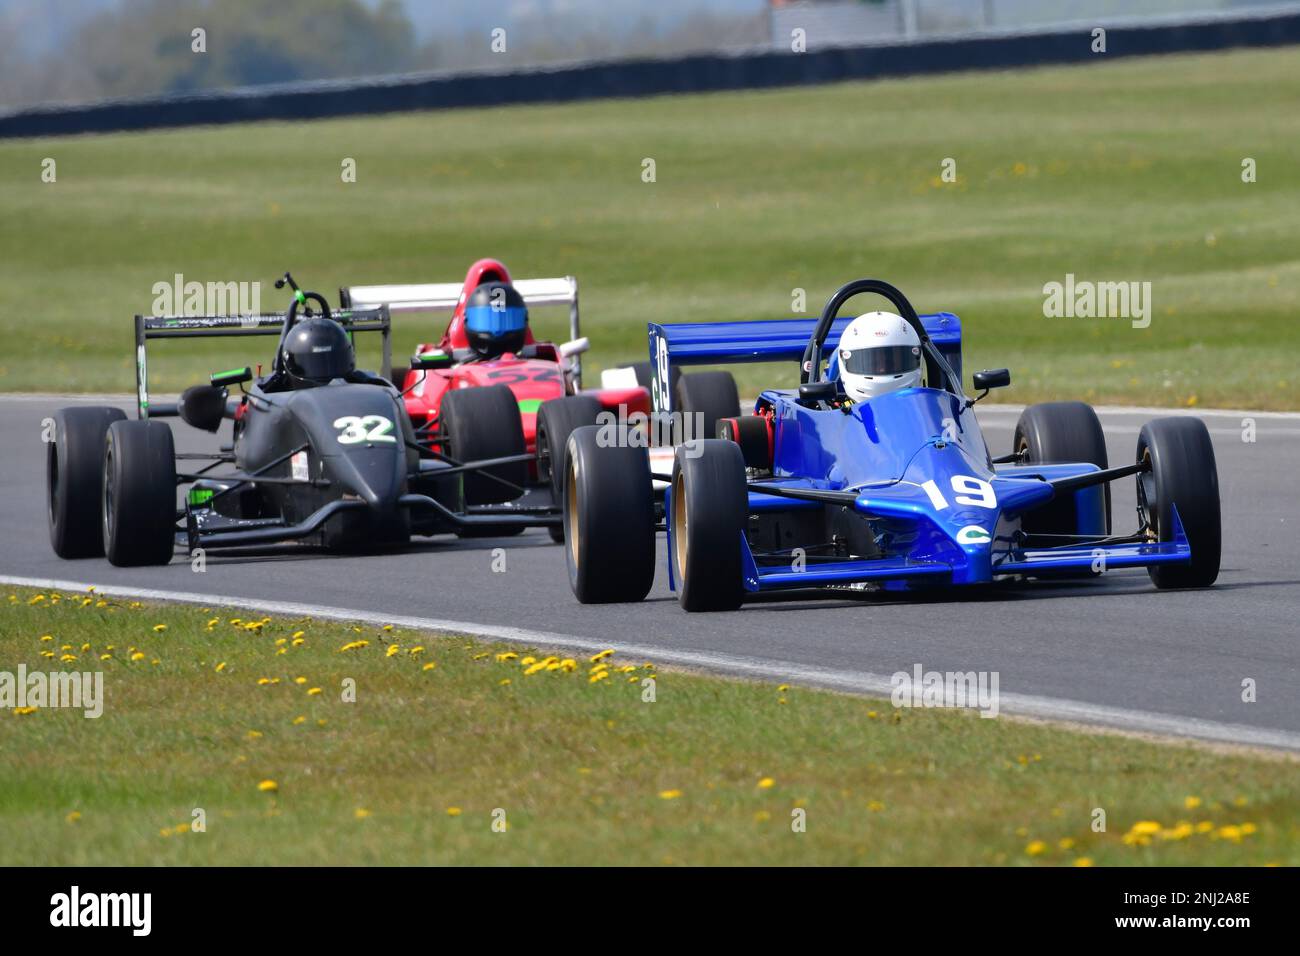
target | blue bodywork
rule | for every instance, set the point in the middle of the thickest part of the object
(915, 462)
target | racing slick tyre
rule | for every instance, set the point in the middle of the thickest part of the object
(710, 504)
(1183, 475)
(74, 472)
(139, 496)
(481, 423)
(752, 434)
(711, 395)
(556, 420)
(609, 520)
(1060, 432)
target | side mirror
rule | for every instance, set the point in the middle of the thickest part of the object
(817, 392)
(203, 406)
(992, 378)
(427, 361)
(234, 376)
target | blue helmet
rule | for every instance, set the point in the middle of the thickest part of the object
(495, 319)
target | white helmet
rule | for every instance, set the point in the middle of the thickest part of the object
(879, 353)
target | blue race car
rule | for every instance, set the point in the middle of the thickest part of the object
(874, 472)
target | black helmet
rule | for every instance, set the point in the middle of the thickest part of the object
(318, 350)
(495, 319)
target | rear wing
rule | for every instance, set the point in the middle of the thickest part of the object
(230, 326)
(764, 340)
(445, 296)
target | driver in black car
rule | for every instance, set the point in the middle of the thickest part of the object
(316, 352)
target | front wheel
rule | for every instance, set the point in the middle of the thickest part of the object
(74, 475)
(609, 519)
(710, 504)
(139, 497)
(1183, 476)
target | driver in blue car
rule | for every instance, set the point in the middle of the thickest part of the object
(878, 353)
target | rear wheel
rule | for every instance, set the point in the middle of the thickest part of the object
(711, 396)
(74, 475)
(710, 503)
(139, 493)
(477, 424)
(1056, 433)
(1183, 476)
(609, 520)
(556, 420)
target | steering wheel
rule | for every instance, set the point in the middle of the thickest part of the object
(937, 367)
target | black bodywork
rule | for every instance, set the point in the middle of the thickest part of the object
(334, 464)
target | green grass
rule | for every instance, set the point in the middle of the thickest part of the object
(1113, 172)
(580, 769)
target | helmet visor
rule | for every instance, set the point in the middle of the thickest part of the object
(495, 320)
(886, 360)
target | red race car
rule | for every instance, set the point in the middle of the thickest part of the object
(488, 349)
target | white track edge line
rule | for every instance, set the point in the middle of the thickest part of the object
(861, 682)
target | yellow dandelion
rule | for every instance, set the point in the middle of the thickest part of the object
(453, 811)
(354, 646)
(47, 637)
(300, 680)
(1083, 861)
(24, 711)
(160, 627)
(1191, 803)
(299, 634)
(214, 621)
(504, 681)
(1145, 828)
(767, 783)
(783, 688)
(1248, 828)
(221, 667)
(393, 651)
(361, 813)
(507, 656)
(388, 627)
(105, 657)
(595, 658)
(598, 676)
(138, 656)
(47, 654)
(669, 794)
(875, 806)
(417, 650)
(73, 817)
(313, 691)
(268, 786)
(1036, 848)
(299, 720)
(1066, 843)
(429, 666)
(254, 734)
(762, 816)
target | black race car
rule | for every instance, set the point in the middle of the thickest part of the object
(321, 452)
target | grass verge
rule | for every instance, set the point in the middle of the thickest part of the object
(242, 717)
(1130, 171)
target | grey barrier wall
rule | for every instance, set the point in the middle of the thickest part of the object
(633, 78)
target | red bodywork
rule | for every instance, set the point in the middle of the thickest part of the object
(533, 380)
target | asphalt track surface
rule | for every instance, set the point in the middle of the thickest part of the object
(1112, 651)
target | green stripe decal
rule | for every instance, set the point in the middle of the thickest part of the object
(530, 405)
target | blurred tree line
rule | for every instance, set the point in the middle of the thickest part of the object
(146, 47)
